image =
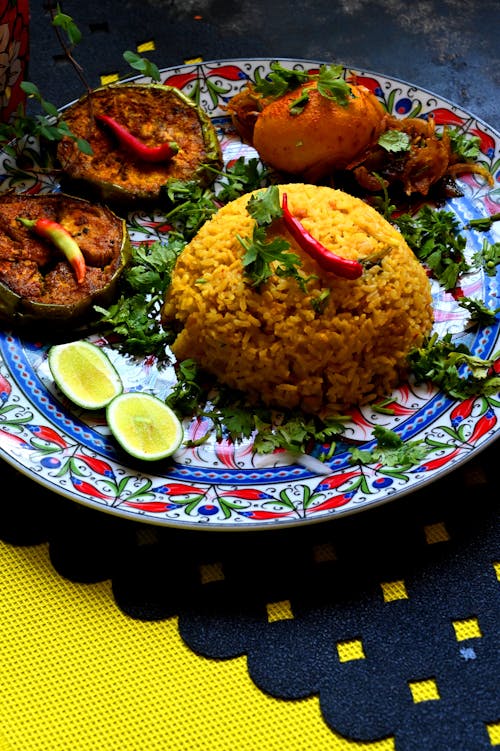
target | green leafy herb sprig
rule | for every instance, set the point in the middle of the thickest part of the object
(435, 238)
(46, 124)
(280, 80)
(242, 176)
(479, 313)
(196, 393)
(143, 65)
(453, 368)
(396, 141)
(188, 205)
(264, 257)
(297, 433)
(188, 393)
(466, 147)
(391, 450)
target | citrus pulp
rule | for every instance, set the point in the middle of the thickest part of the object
(144, 425)
(84, 373)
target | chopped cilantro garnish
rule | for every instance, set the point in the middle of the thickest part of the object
(263, 257)
(320, 302)
(435, 239)
(134, 315)
(260, 254)
(296, 434)
(332, 86)
(453, 368)
(243, 176)
(391, 450)
(395, 141)
(265, 206)
(188, 206)
(280, 80)
(297, 106)
(231, 417)
(479, 313)
(465, 146)
(187, 394)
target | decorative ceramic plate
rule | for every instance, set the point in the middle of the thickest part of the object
(225, 485)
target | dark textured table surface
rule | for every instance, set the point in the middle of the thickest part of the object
(450, 47)
(434, 554)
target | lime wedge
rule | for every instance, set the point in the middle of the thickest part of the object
(144, 426)
(84, 373)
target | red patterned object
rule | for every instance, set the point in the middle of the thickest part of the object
(14, 54)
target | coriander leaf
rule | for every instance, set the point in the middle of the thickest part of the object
(279, 80)
(134, 316)
(135, 321)
(434, 237)
(292, 435)
(395, 141)
(238, 421)
(332, 86)
(465, 146)
(188, 205)
(265, 206)
(387, 438)
(479, 313)
(383, 203)
(453, 368)
(296, 433)
(241, 177)
(263, 257)
(391, 450)
(260, 254)
(188, 393)
(320, 301)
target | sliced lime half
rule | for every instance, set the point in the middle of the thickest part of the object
(84, 373)
(144, 426)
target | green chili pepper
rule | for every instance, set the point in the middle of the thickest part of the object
(59, 236)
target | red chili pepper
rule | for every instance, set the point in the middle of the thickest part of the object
(345, 267)
(59, 236)
(138, 148)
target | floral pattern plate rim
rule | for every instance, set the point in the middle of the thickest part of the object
(226, 486)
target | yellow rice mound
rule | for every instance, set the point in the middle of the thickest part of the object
(270, 342)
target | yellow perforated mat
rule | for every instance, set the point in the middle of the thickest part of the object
(76, 674)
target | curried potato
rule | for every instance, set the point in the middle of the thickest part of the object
(152, 113)
(322, 137)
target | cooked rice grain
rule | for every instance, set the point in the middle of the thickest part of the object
(270, 342)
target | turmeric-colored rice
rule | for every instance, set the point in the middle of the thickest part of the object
(271, 342)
